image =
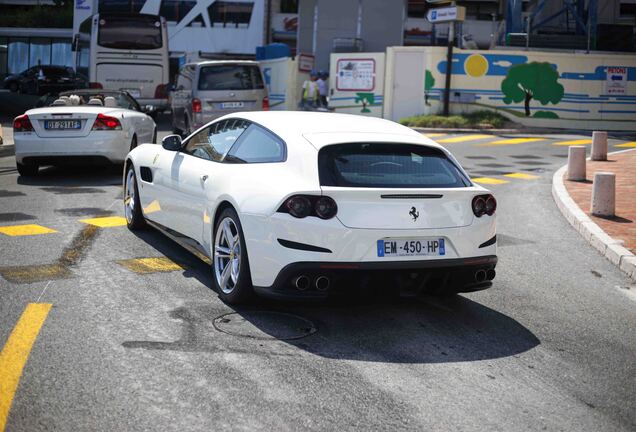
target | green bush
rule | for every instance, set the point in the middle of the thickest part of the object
(545, 114)
(478, 119)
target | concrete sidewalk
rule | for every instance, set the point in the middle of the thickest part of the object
(614, 237)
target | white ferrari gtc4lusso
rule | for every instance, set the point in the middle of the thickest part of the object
(300, 204)
(81, 126)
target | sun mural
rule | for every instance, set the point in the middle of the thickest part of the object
(476, 65)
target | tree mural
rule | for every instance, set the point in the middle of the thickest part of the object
(429, 82)
(534, 80)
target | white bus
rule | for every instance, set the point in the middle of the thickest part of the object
(127, 52)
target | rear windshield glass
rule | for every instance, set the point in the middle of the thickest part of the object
(387, 166)
(140, 32)
(230, 77)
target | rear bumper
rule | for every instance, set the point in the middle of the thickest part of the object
(159, 104)
(112, 146)
(445, 276)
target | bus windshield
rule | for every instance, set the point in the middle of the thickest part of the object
(140, 32)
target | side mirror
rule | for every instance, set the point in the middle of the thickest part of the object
(172, 143)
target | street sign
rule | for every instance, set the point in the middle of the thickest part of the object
(447, 14)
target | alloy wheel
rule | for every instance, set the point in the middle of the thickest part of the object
(227, 255)
(129, 197)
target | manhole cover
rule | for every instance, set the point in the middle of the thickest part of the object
(264, 325)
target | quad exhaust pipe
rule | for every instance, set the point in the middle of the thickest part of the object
(484, 275)
(301, 282)
(322, 283)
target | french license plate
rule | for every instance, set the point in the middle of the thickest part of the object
(226, 105)
(411, 247)
(62, 124)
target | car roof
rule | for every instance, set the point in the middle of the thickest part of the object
(322, 128)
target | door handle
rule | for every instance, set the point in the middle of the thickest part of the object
(204, 177)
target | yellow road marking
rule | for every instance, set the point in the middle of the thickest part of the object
(489, 180)
(522, 176)
(573, 142)
(511, 141)
(16, 352)
(431, 135)
(463, 138)
(35, 273)
(25, 230)
(153, 207)
(150, 265)
(627, 144)
(106, 222)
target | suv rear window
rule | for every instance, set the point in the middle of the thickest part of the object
(230, 77)
(387, 165)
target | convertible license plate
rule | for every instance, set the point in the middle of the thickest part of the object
(62, 124)
(226, 105)
(411, 247)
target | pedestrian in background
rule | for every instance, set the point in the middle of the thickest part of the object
(311, 94)
(323, 88)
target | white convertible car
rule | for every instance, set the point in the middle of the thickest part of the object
(298, 204)
(81, 126)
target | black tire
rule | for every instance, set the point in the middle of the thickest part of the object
(27, 170)
(132, 205)
(133, 143)
(13, 87)
(242, 290)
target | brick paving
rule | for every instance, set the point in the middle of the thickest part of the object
(623, 226)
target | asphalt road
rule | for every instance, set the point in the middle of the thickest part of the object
(136, 344)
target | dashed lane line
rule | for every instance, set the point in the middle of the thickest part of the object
(433, 135)
(489, 180)
(105, 222)
(25, 230)
(627, 144)
(573, 142)
(16, 352)
(511, 141)
(463, 138)
(150, 265)
(522, 176)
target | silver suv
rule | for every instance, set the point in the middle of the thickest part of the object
(206, 90)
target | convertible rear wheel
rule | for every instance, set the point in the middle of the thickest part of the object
(27, 170)
(132, 206)
(231, 268)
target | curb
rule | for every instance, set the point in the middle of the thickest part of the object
(610, 248)
(7, 150)
(611, 134)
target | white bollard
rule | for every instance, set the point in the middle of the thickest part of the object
(599, 146)
(576, 163)
(603, 194)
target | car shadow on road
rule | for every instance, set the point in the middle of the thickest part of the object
(75, 177)
(373, 328)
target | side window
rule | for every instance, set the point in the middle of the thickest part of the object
(258, 145)
(213, 142)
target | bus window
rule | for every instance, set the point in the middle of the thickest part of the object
(129, 33)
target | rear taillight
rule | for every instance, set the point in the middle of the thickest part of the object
(325, 207)
(104, 122)
(95, 85)
(22, 124)
(161, 92)
(300, 206)
(265, 105)
(484, 205)
(196, 106)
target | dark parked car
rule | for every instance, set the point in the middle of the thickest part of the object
(39, 80)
